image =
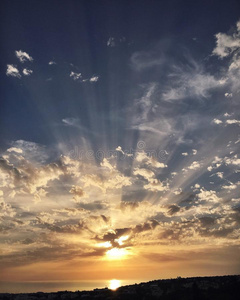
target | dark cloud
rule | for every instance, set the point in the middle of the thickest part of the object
(207, 221)
(173, 209)
(93, 206)
(128, 205)
(114, 235)
(27, 241)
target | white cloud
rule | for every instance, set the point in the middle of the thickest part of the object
(75, 76)
(143, 157)
(232, 161)
(184, 154)
(119, 149)
(14, 149)
(94, 79)
(156, 185)
(217, 121)
(27, 72)
(13, 71)
(52, 63)
(219, 174)
(228, 95)
(178, 191)
(209, 196)
(235, 64)
(226, 44)
(145, 173)
(194, 151)
(234, 121)
(227, 115)
(230, 187)
(106, 164)
(23, 56)
(194, 166)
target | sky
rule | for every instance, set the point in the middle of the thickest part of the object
(119, 139)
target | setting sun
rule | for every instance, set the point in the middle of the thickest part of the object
(114, 284)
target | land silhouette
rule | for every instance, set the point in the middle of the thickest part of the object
(197, 288)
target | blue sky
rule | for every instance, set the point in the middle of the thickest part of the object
(120, 137)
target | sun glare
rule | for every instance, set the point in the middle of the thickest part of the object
(114, 284)
(116, 253)
(105, 245)
(122, 239)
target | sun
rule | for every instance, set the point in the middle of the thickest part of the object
(114, 284)
(116, 253)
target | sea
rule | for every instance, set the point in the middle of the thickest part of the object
(55, 286)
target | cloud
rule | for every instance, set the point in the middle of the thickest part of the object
(27, 72)
(232, 161)
(143, 158)
(194, 166)
(23, 56)
(75, 76)
(208, 196)
(230, 186)
(173, 209)
(194, 151)
(217, 121)
(71, 122)
(14, 149)
(128, 205)
(156, 185)
(226, 44)
(6, 210)
(111, 42)
(227, 115)
(114, 42)
(227, 122)
(228, 95)
(94, 79)
(190, 84)
(143, 60)
(119, 149)
(33, 151)
(77, 192)
(52, 63)
(218, 174)
(106, 164)
(117, 181)
(185, 154)
(234, 121)
(145, 173)
(13, 71)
